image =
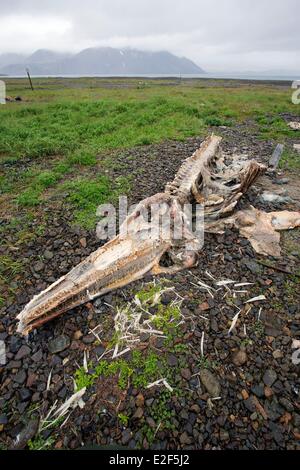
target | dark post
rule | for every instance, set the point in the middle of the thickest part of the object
(29, 78)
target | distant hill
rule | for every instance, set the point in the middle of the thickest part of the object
(98, 61)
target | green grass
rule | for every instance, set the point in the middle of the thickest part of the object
(290, 160)
(87, 194)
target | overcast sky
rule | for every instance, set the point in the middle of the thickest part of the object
(219, 35)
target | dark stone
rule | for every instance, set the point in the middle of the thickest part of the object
(99, 350)
(14, 365)
(26, 434)
(24, 394)
(269, 377)
(250, 404)
(282, 181)
(20, 377)
(59, 344)
(172, 360)
(39, 266)
(63, 392)
(3, 419)
(15, 344)
(126, 436)
(37, 357)
(296, 420)
(48, 254)
(258, 390)
(286, 404)
(23, 352)
(88, 339)
(253, 267)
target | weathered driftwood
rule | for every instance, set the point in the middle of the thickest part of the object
(209, 177)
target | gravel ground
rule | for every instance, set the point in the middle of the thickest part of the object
(250, 371)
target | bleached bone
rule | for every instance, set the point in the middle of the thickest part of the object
(259, 227)
(122, 260)
(206, 178)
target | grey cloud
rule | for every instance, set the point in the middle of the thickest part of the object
(249, 34)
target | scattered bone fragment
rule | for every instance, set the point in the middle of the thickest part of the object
(297, 147)
(260, 298)
(260, 228)
(294, 125)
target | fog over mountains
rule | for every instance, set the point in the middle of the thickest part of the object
(98, 61)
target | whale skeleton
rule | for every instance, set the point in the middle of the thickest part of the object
(208, 177)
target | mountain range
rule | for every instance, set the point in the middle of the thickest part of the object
(98, 61)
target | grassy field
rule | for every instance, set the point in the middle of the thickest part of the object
(61, 136)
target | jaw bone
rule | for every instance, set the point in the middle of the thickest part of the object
(202, 178)
(124, 259)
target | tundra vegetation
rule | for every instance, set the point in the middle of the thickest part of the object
(59, 143)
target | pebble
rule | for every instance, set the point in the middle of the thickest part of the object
(269, 377)
(186, 374)
(24, 351)
(185, 439)
(286, 404)
(210, 382)
(138, 413)
(48, 255)
(258, 390)
(3, 419)
(282, 181)
(39, 266)
(24, 394)
(277, 354)
(172, 360)
(20, 377)
(88, 339)
(27, 433)
(126, 436)
(239, 358)
(37, 357)
(140, 400)
(59, 344)
(204, 307)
